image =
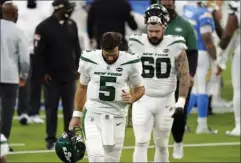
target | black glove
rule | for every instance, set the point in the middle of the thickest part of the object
(179, 112)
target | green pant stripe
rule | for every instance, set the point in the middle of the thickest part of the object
(83, 122)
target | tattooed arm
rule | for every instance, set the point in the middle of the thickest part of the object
(183, 75)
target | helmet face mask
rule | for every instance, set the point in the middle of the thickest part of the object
(70, 147)
(156, 20)
(157, 14)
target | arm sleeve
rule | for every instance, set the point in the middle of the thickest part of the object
(40, 46)
(206, 29)
(129, 17)
(179, 45)
(90, 21)
(191, 39)
(206, 19)
(24, 56)
(77, 46)
(192, 56)
(84, 74)
(135, 78)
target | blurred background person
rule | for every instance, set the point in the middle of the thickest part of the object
(198, 15)
(181, 27)
(105, 16)
(57, 51)
(233, 25)
(31, 12)
(1, 3)
(3, 149)
(215, 82)
(14, 64)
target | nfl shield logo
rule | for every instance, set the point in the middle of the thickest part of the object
(107, 117)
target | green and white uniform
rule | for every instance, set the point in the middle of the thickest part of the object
(152, 111)
(105, 82)
(105, 112)
(159, 69)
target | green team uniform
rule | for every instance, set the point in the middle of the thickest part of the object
(181, 27)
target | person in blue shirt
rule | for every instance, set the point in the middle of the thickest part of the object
(201, 19)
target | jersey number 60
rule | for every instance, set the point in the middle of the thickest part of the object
(149, 70)
(109, 91)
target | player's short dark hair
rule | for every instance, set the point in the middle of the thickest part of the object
(110, 40)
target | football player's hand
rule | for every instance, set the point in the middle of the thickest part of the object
(47, 79)
(75, 121)
(179, 112)
(219, 70)
(22, 82)
(126, 97)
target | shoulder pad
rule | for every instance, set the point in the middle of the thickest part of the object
(136, 38)
(89, 56)
(178, 41)
(131, 59)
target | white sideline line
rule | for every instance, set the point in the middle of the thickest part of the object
(16, 144)
(132, 147)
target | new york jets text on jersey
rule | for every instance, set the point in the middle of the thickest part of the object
(105, 82)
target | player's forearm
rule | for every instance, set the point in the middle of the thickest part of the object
(208, 41)
(229, 31)
(183, 74)
(137, 93)
(80, 97)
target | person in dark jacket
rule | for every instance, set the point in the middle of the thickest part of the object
(105, 16)
(57, 51)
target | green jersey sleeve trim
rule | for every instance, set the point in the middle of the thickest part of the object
(133, 39)
(3, 142)
(131, 62)
(178, 41)
(87, 60)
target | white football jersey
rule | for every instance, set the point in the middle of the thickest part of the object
(106, 82)
(159, 69)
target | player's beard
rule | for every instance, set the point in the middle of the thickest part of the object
(155, 40)
(109, 62)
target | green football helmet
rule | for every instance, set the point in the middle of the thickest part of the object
(70, 146)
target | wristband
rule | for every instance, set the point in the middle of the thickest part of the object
(77, 114)
(181, 102)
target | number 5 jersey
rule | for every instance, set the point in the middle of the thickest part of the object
(106, 82)
(159, 69)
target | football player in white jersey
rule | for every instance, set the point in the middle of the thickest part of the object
(233, 25)
(107, 73)
(163, 59)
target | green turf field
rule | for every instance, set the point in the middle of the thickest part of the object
(29, 145)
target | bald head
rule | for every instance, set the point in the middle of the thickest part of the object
(9, 11)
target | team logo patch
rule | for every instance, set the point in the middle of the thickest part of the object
(165, 50)
(119, 69)
(178, 29)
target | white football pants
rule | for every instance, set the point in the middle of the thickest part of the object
(200, 79)
(3, 146)
(152, 113)
(236, 85)
(96, 134)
